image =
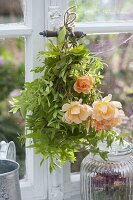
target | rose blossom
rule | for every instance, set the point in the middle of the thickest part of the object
(76, 112)
(106, 113)
(83, 84)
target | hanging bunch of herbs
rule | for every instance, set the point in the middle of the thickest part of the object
(60, 106)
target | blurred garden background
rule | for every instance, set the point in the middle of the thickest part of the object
(103, 10)
(115, 49)
(11, 11)
(12, 77)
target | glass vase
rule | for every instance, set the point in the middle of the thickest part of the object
(111, 179)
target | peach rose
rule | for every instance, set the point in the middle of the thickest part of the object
(75, 112)
(107, 124)
(106, 113)
(83, 84)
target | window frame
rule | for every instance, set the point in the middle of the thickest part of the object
(34, 186)
(39, 184)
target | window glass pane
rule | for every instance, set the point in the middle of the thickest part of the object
(103, 10)
(11, 11)
(12, 78)
(116, 50)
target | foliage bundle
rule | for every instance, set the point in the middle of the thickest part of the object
(41, 102)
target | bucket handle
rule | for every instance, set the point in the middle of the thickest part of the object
(7, 150)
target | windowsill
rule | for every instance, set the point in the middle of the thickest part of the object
(76, 197)
(75, 187)
(75, 177)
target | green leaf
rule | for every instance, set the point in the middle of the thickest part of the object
(80, 49)
(14, 110)
(51, 46)
(104, 155)
(23, 110)
(38, 69)
(61, 36)
(45, 157)
(124, 134)
(49, 53)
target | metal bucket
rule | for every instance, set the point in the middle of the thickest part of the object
(9, 176)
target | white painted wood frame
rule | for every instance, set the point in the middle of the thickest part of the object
(40, 15)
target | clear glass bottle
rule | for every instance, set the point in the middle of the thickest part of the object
(111, 179)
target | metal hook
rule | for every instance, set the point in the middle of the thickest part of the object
(77, 34)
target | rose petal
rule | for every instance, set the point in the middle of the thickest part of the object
(75, 110)
(65, 107)
(83, 115)
(66, 117)
(121, 113)
(95, 103)
(97, 116)
(116, 104)
(107, 98)
(103, 108)
(76, 120)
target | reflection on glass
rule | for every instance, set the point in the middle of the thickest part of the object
(103, 10)
(11, 80)
(11, 11)
(117, 52)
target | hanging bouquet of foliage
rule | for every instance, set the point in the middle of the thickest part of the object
(64, 109)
